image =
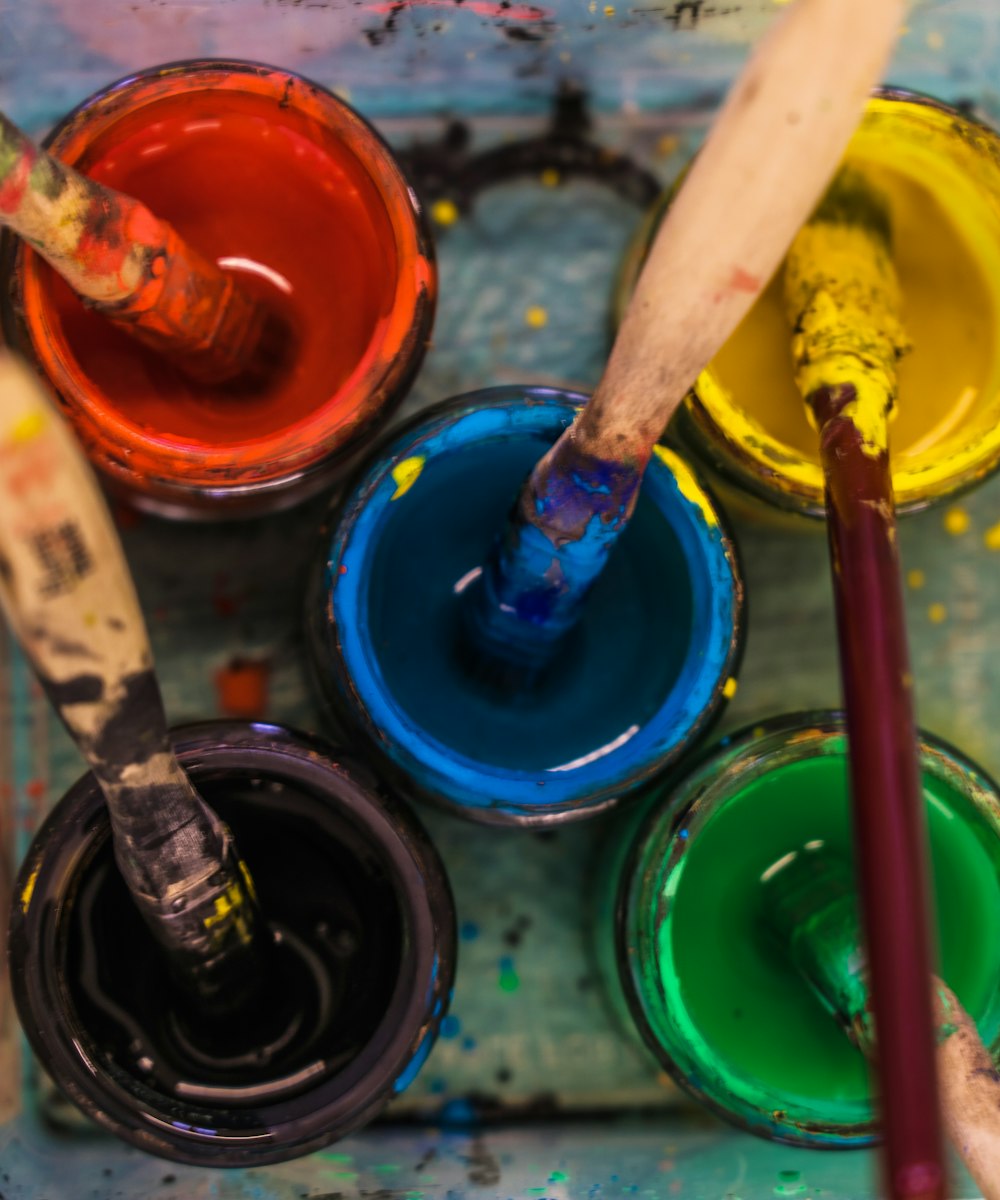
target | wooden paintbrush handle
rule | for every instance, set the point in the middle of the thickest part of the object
(970, 1091)
(770, 153)
(67, 593)
(127, 264)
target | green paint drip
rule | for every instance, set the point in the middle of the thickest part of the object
(558, 1177)
(508, 980)
(723, 997)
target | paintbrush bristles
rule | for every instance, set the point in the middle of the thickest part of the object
(126, 264)
(843, 301)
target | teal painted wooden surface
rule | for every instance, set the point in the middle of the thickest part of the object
(546, 1046)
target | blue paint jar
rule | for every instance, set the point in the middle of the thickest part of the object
(636, 683)
(361, 969)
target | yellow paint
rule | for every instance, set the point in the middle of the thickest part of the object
(406, 473)
(729, 688)
(991, 537)
(687, 485)
(248, 880)
(444, 212)
(842, 300)
(29, 890)
(609, 10)
(27, 428)
(956, 521)
(916, 579)
(550, 177)
(536, 316)
(942, 191)
(937, 613)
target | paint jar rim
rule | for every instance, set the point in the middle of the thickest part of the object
(344, 663)
(182, 474)
(657, 849)
(774, 472)
(284, 1128)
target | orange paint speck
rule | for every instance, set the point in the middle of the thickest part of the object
(743, 281)
(241, 688)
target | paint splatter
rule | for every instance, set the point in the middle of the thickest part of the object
(558, 1177)
(550, 177)
(916, 579)
(444, 212)
(451, 1027)
(406, 474)
(536, 317)
(991, 538)
(241, 687)
(508, 980)
(469, 931)
(937, 613)
(729, 688)
(956, 521)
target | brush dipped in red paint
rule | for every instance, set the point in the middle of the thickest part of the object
(842, 298)
(133, 268)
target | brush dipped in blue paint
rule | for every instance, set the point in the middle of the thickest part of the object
(772, 150)
(68, 597)
(811, 908)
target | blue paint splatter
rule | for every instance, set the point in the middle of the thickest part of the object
(468, 1043)
(469, 931)
(458, 1114)
(451, 1026)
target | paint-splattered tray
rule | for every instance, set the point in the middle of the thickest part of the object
(525, 283)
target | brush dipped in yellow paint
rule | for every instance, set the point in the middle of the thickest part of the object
(843, 302)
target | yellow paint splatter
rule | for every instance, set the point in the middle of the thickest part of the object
(956, 521)
(935, 40)
(687, 485)
(667, 145)
(729, 688)
(27, 427)
(550, 177)
(937, 613)
(916, 578)
(991, 537)
(536, 316)
(29, 890)
(609, 10)
(444, 212)
(406, 474)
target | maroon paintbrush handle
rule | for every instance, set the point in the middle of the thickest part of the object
(888, 812)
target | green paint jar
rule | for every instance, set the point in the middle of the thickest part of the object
(688, 959)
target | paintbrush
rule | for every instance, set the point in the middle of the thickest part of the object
(842, 299)
(133, 268)
(773, 148)
(811, 906)
(70, 601)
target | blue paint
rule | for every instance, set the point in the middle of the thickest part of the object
(608, 713)
(451, 1027)
(554, 545)
(412, 1069)
(458, 1114)
(469, 931)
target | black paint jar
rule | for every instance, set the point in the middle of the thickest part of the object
(363, 928)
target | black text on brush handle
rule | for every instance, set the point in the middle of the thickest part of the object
(69, 598)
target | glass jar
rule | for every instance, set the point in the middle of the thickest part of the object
(690, 964)
(636, 684)
(284, 185)
(939, 171)
(363, 928)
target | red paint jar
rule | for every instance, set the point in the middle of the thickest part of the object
(282, 183)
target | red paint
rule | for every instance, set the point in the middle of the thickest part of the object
(241, 688)
(743, 281)
(211, 184)
(482, 8)
(262, 168)
(13, 189)
(35, 789)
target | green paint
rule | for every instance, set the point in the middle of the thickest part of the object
(338, 1158)
(387, 1168)
(722, 996)
(508, 980)
(558, 1177)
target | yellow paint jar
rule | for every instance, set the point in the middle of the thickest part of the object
(745, 418)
